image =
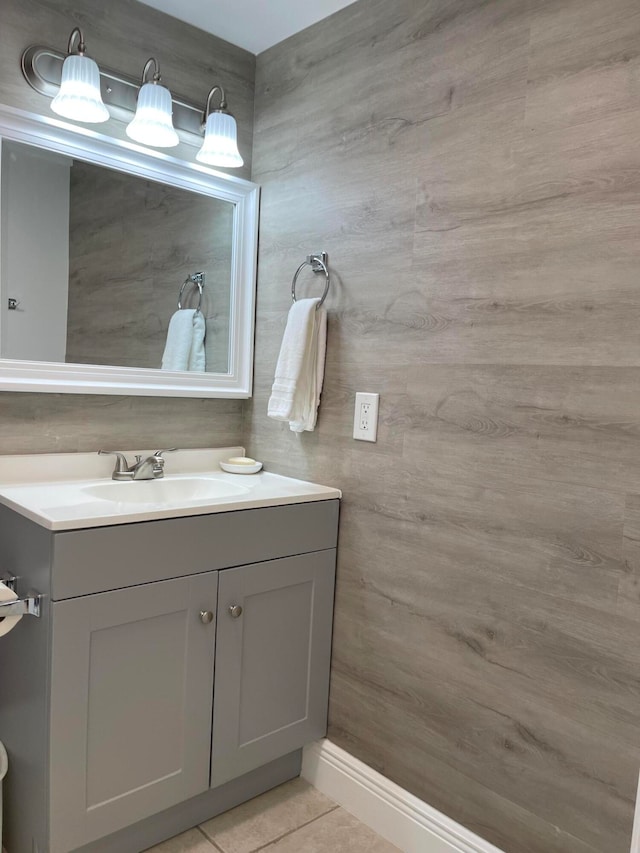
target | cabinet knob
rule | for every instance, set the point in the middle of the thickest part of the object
(235, 610)
(206, 616)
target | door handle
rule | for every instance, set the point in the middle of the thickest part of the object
(235, 610)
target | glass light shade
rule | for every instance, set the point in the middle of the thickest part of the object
(79, 97)
(152, 124)
(220, 146)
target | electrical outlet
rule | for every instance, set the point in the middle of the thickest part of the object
(365, 419)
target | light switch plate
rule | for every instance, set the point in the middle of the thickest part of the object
(365, 419)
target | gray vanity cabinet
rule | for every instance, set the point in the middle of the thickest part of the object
(177, 669)
(272, 663)
(131, 693)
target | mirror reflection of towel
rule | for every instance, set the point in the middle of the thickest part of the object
(196, 354)
(184, 349)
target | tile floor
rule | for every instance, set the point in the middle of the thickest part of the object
(293, 818)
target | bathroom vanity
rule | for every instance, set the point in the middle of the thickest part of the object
(181, 658)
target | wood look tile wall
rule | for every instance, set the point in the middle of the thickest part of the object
(122, 34)
(473, 169)
(57, 423)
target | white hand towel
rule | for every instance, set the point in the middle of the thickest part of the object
(196, 355)
(184, 348)
(295, 394)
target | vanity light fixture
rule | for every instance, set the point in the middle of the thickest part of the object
(220, 146)
(79, 97)
(152, 124)
(152, 115)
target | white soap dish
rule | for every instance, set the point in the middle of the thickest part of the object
(247, 466)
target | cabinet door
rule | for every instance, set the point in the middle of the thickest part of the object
(131, 696)
(272, 661)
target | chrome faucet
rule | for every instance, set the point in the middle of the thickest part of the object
(151, 468)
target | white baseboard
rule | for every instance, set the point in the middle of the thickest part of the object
(635, 837)
(395, 814)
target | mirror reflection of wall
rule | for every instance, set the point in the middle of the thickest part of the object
(34, 253)
(96, 259)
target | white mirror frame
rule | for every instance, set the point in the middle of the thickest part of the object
(93, 147)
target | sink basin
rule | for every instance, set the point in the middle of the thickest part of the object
(177, 490)
(72, 491)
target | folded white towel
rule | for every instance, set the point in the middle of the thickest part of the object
(295, 394)
(184, 349)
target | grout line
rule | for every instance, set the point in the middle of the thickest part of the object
(210, 840)
(292, 831)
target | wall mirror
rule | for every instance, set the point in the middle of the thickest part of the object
(100, 240)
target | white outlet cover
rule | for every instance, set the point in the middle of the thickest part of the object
(365, 416)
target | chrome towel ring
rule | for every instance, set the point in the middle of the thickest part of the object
(319, 264)
(196, 279)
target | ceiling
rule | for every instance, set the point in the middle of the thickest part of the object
(252, 24)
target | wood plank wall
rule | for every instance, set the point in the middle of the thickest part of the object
(473, 169)
(122, 34)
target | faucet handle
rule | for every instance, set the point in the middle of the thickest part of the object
(158, 461)
(121, 462)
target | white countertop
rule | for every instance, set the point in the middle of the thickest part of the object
(70, 491)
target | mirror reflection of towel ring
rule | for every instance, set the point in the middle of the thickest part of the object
(197, 280)
(317, 265)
